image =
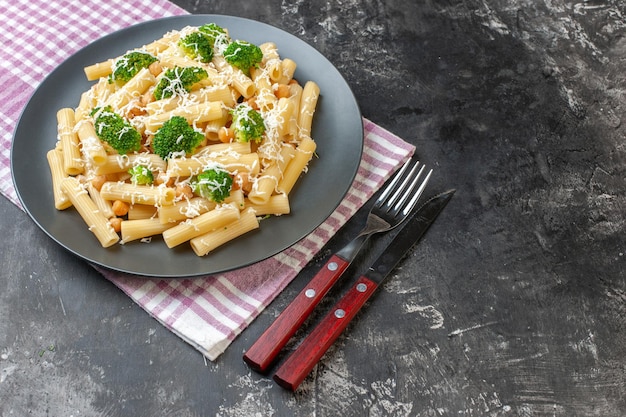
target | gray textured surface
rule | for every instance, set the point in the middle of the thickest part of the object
(513, 305)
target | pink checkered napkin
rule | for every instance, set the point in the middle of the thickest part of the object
(207, 312)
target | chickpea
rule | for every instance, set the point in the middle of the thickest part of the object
(146, 98)
(97, 181)
(282, 91)
(242, 181)
(225, 134)
(120, 208)
(183, 190)
(163, 178)
(116, 223)
(155, 68)
(136, 111)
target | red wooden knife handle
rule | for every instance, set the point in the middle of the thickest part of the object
(298, 365)
(263, 352)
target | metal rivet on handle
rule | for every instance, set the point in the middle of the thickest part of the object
(339, 313)
(333, 266)
(310, 293)
(361, 287)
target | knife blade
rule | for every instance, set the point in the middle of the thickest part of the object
(300, 363)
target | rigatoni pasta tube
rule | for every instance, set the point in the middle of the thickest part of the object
(173, 61)
(141, 228)
(122, 163)
(188, 209)
(243, 84)
(184, 209)
(221, 93)
(169, 60)
(288, 68)
(274, 70)
(265, 185)
(269, 179)
(177, 167)
(103, 205)
(284, 110)
(225, 149)
(99, 70)
(235, 199)
(142, 211)
(72, 161)
(89, 99)
(96, 221)
(265, 98)
(204, 244)
(138, 194)
(93, 148)
(162, 43)
(295, 91)
(240, 81)
(270, 52)
(134, 88)
(212, 127)
(85, 105)
(55, 161)
(102, 90)
(304, 153)
(204, 223)
(308, 102)
(276, 205)
(195, 113)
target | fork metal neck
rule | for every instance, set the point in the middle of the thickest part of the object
(374, 225)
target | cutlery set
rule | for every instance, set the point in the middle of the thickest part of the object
(395, 207)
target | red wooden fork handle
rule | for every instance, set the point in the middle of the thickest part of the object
(262, 353)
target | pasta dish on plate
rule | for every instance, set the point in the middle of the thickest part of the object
(195, 137)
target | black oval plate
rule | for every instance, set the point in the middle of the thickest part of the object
(337, 129)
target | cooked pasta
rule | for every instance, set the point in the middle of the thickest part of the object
(120, 159)
(95, 220)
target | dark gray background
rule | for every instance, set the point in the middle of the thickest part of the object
(514, 304)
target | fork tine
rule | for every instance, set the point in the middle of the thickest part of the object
(406, 191)
(393, 199)
(400, 190)
(392, 184)
(417, 193)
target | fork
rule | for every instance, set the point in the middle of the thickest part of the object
(390, 209)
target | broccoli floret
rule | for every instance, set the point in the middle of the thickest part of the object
(178, 81)
(116, 131)
(213, 184)
(243, 55)
(213, 30)
(219, 36)
(176, 136)
(197, 45)
(127, 66)
(247, 123)
(141, 175)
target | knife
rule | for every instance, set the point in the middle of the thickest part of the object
(261, 355)
(298, 365)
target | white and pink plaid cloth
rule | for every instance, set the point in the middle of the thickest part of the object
(207, 312)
